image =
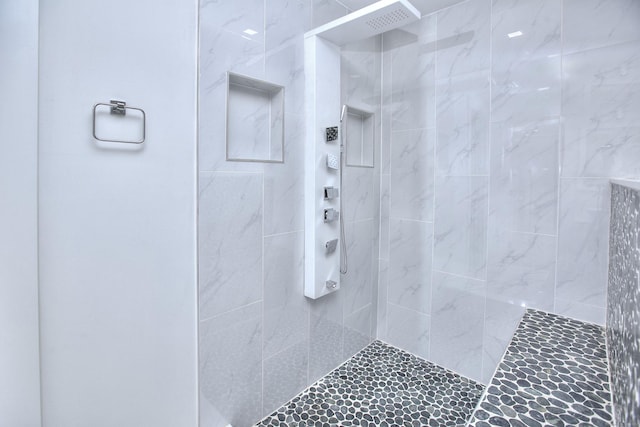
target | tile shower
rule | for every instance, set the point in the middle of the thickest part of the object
(489, 192)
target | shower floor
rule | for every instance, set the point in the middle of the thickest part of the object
(382, 386)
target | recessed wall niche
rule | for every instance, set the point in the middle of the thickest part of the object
(255, 120)
(359, 137)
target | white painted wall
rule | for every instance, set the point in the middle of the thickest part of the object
(19, 364)
(117, 223)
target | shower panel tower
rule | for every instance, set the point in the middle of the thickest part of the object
(323, 153)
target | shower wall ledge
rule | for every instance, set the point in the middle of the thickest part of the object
(634, 185)
(554, 372)
(623, 301)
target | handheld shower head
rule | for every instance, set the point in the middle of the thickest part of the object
(344, 110)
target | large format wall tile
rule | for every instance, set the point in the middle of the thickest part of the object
(357, 331)
(463, 125)
(356, 284)
(358, 193)
(463, 38)
(360, 74)
(460, 228)
(589, 24)
(386, 116)
(230, 243)
(285, 375)
(284, 65)
(324, 11)
(457, 320)
(284, 183)
(525, 68)
(583, 240)
(524, 177)
(326, 334)
(410, 264)
(244, 54)
(601, 103)
(235, 17)
(385, 208)
(383, 289)
(501, 320)
(284, 22)
(411, 185)
(584, 312)
(285, 307)
(412, 76)
(408, 330)
(522, 269)
(231, 367)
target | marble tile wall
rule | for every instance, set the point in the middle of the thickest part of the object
(490, 191)
(261, 340)
(503, 121)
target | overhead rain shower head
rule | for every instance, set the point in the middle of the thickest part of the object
(380, 17)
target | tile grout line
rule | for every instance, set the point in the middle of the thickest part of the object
(435, 186)
(488, 165)
(559, 159)
(262, 306)
(389, 192)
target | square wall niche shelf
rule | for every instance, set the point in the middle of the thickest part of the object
(358, 133)
(255, 120)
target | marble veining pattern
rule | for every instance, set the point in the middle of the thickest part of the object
(411, 180)
(554, 373)
(460, 240)
(251, 220)
(462, 123)
(534, 103)
(623, 312)
(382, 386)
(409, 264)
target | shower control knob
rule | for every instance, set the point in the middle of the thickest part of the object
(331, 246)
(331, 193)
(331, 215)
(331, 284)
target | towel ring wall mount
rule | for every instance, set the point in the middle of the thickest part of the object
(119, 108)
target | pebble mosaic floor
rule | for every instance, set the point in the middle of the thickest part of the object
(554, 373)
(382, 386)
